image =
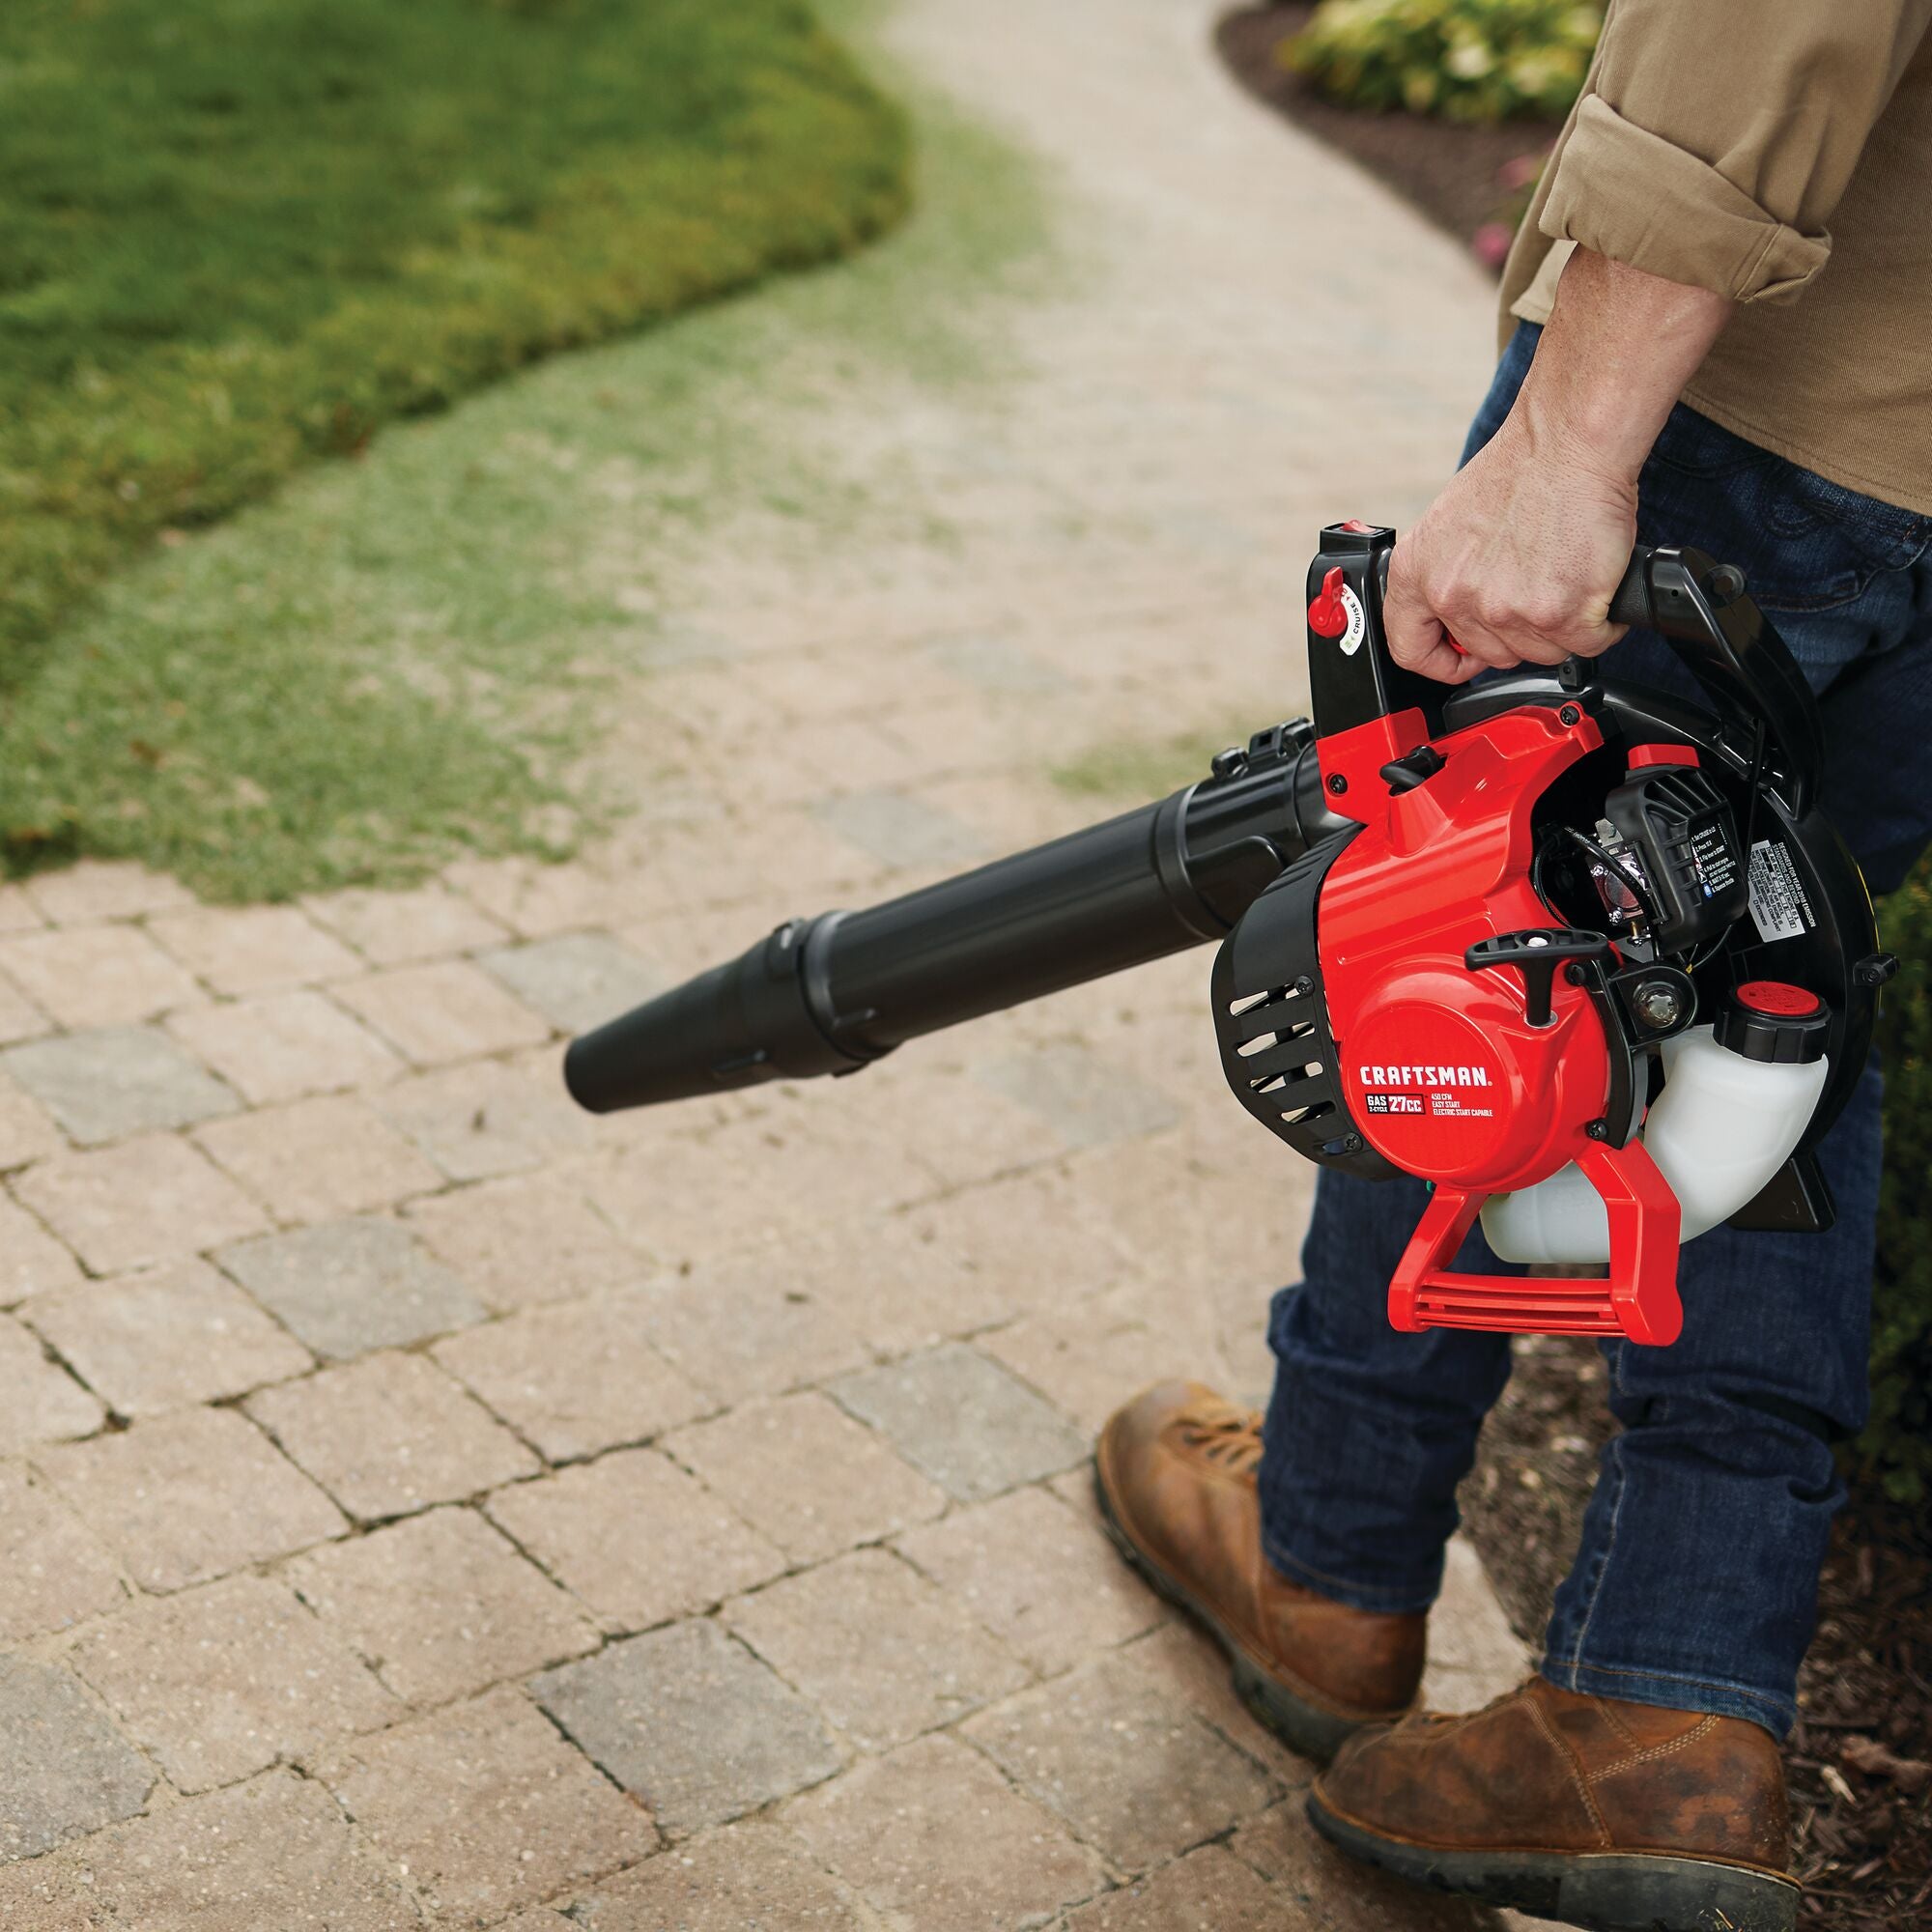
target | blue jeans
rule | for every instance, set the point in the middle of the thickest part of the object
(1695, 1585)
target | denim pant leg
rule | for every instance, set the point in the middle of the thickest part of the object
(1696, 1582)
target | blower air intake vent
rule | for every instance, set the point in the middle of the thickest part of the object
(1272, 1022)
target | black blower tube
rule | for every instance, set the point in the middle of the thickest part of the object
(831, 994)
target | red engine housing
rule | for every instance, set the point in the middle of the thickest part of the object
(1440, 1067)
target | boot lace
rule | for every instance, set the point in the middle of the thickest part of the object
(1225, 1436)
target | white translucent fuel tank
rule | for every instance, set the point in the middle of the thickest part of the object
(1721, 1128)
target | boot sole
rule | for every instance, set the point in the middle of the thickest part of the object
(1605, 1891)
(1304, 1727)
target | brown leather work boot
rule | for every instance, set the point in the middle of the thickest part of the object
(1623, 1817)
(1174, 1471)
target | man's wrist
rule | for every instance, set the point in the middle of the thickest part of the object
(1615, 357)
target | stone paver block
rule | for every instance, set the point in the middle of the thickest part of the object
(101, 975)
(220, 1682)
(533, 900)
(692, 1722)
(745, 1878)
(1085, 1100)
(285, 1046)
(964, 1421)
(31, 1261)
(897, 830)
(1208, 1887)
(684, 1196)
(253, 949)
(401, 929)
(933, 1833)
(102, 888)
(744, 1327)
(1185, 1665)
(142, 1203)
(390, 1434)
(488, 1807)
(801, 1472)
(485, 1120)
(111, 1082)
(574, 1379)
(1330, 1888)
(1036, 1576)
(638, 1539)
(20, 1017)
(166, 1338)
(435, 1013)
(65, 1769)
(882, 1652)
(27, 1131)
(348, 1287)
(441, 1604)
(1473, 1652)
(274, 1853)
(52, 1572)
(40, 1401)
(1132, 1770)
(315, 1159)
(524, 1241)
(187, 1497)
(878, 1276)
(1090, 1358)
(575, 980)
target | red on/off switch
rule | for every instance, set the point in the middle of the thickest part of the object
(1328, 615)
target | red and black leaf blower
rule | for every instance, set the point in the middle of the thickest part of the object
(1585, 957)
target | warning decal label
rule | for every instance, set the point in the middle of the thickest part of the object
(1778, 907)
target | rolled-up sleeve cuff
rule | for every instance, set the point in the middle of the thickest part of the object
(1635, 197)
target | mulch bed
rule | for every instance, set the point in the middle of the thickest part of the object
(1862, 1818)
(1455, 174)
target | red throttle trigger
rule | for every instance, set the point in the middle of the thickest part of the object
(1328, 615)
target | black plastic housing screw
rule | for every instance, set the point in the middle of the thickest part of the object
(1337, 784)
(1598, 1131)
(1568, 715)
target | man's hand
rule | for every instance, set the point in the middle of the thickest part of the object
(1516, 561)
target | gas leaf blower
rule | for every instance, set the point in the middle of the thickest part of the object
(1585, 955)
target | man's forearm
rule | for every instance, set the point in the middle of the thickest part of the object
(1518, 558)
(1619, 347)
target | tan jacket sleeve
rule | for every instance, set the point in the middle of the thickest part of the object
(1715, 136)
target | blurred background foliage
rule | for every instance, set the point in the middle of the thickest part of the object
(1896, 1449)
(1467, 60)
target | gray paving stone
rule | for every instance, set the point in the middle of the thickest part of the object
(113, 1081)
(964, 1421)
(897, 1829)
(881, 1651)
(692, 1722)
(747, 1878)
(1132, 1768)
(576, 980)
(65, 1769)
(901, 830)
(348, 1287)
(1210, 1886)
(1084, 1099)
(274, 1855)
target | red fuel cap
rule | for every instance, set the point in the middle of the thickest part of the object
(1328, 615)
(1778, 999)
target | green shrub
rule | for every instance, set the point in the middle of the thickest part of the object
(1896, 1449)
(1468, 59)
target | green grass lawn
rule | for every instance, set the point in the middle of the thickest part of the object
(236, 235)
(417, 654)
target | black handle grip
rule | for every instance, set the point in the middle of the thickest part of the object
(1631, 604)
